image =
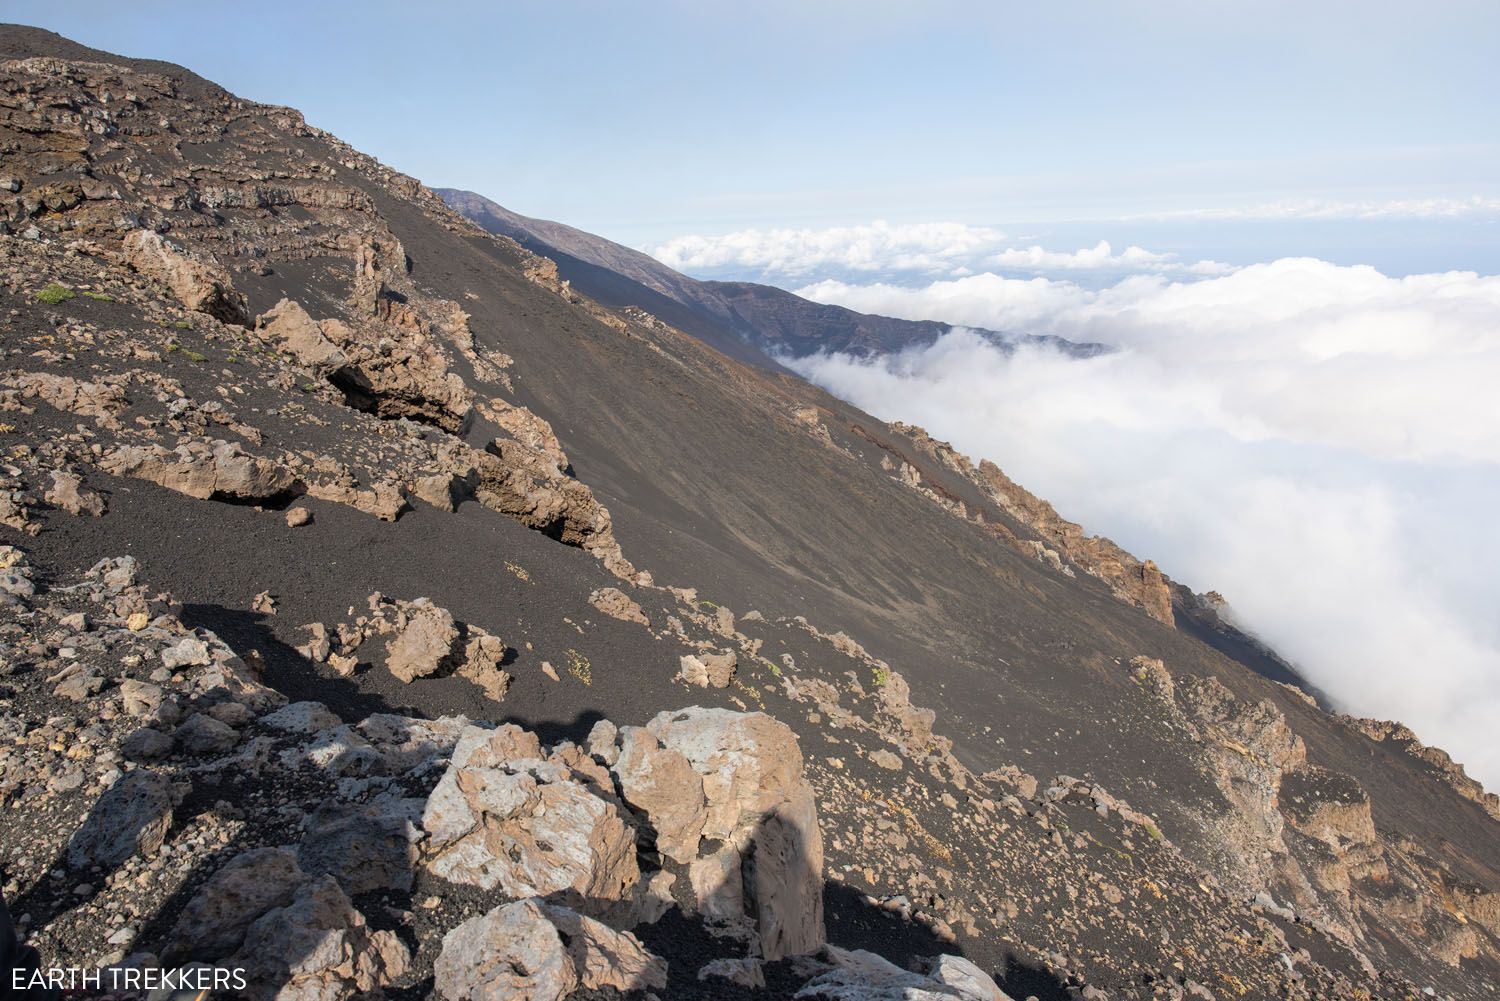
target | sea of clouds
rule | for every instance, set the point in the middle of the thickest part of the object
(1318, 442)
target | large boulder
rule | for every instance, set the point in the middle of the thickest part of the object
(533, 951)
(503, 816)
(759, 801)
(420, 649)
(288, 326)
(203, 288)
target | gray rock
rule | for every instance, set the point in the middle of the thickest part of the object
(131, 818)
(365, 847)
(202, 734)
(214, 922)
(318, 948)
(863, 976)
(189, 651)
(141, 697)
(146, 744)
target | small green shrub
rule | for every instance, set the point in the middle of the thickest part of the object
(183, 325)
(880, 676)
(53, 294)
(194, 355)
(99, 296)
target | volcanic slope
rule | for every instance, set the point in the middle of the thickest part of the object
(385, 461)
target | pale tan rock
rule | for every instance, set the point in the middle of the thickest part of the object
(203, 469)
(318, 647)
(617, 604)
(288, 326)
(203, 288)
(68, 493)
(482, 657)
(708, 670)
(660, 783)
(759, 797)
(296, 517)
(318, 948)
(503, 817)
(424, 645)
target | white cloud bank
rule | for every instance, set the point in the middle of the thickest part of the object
(1319, 443)
(927, 248)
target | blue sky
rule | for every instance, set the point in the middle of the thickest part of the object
(645, 121)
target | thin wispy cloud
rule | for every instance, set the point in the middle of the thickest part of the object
(1476, 206)
(1316, 442)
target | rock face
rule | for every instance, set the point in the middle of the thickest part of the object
(203, 469)
(203, 288)
(759, 802)
(660, 783)
(504, 817)
(533, 951)
(1135, 581)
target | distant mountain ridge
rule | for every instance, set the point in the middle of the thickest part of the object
(774, 322)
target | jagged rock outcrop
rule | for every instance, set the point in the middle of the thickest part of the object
(207, 470)
(201, 287)
(1449, 770)
(506, 816)
(618, 605)
(1135, 581)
